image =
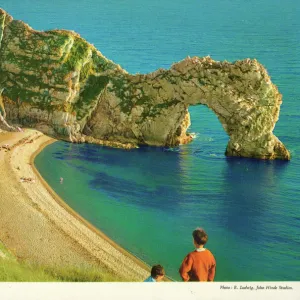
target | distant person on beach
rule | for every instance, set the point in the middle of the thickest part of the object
(199, 265)
(157, 274)
(61, 180)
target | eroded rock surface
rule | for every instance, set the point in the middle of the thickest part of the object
(58, 83)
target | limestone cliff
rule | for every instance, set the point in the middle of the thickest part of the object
(58, 83)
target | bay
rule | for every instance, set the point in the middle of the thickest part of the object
(150, 199)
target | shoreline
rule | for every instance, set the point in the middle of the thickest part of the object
(88, 246)
(75, 214)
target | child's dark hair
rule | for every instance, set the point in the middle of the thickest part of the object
(200, 236)
(157, 270)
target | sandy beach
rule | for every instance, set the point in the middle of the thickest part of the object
(38, 227)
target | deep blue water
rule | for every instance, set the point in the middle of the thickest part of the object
(150, 199)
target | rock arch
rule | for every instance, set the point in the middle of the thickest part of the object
(153, 109)
(58, 83)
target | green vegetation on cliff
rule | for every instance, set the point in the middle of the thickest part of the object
(45, 68)
(94, 86)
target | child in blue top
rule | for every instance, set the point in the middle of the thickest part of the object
(157, 274)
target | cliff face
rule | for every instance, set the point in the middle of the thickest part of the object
(58, 83)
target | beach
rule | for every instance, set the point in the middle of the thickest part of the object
(38, 227)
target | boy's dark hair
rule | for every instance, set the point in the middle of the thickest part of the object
(200, 236)
(157, 270)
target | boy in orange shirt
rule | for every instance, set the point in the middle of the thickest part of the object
(199, 265)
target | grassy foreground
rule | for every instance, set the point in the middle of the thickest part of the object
(12, 270)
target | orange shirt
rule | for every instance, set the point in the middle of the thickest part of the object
(198, 266)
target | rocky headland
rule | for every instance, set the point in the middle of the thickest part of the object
(63, 86)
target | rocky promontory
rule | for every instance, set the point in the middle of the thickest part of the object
(60, 84)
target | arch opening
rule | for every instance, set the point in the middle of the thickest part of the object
(209, 137)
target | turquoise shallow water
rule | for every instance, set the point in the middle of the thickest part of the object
(150, 199)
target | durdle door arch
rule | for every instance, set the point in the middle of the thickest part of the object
(58, 83)
(153, 108)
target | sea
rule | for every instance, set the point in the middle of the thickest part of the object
(149, 200)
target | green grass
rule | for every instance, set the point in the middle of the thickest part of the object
(71, 274)
(12, 270)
